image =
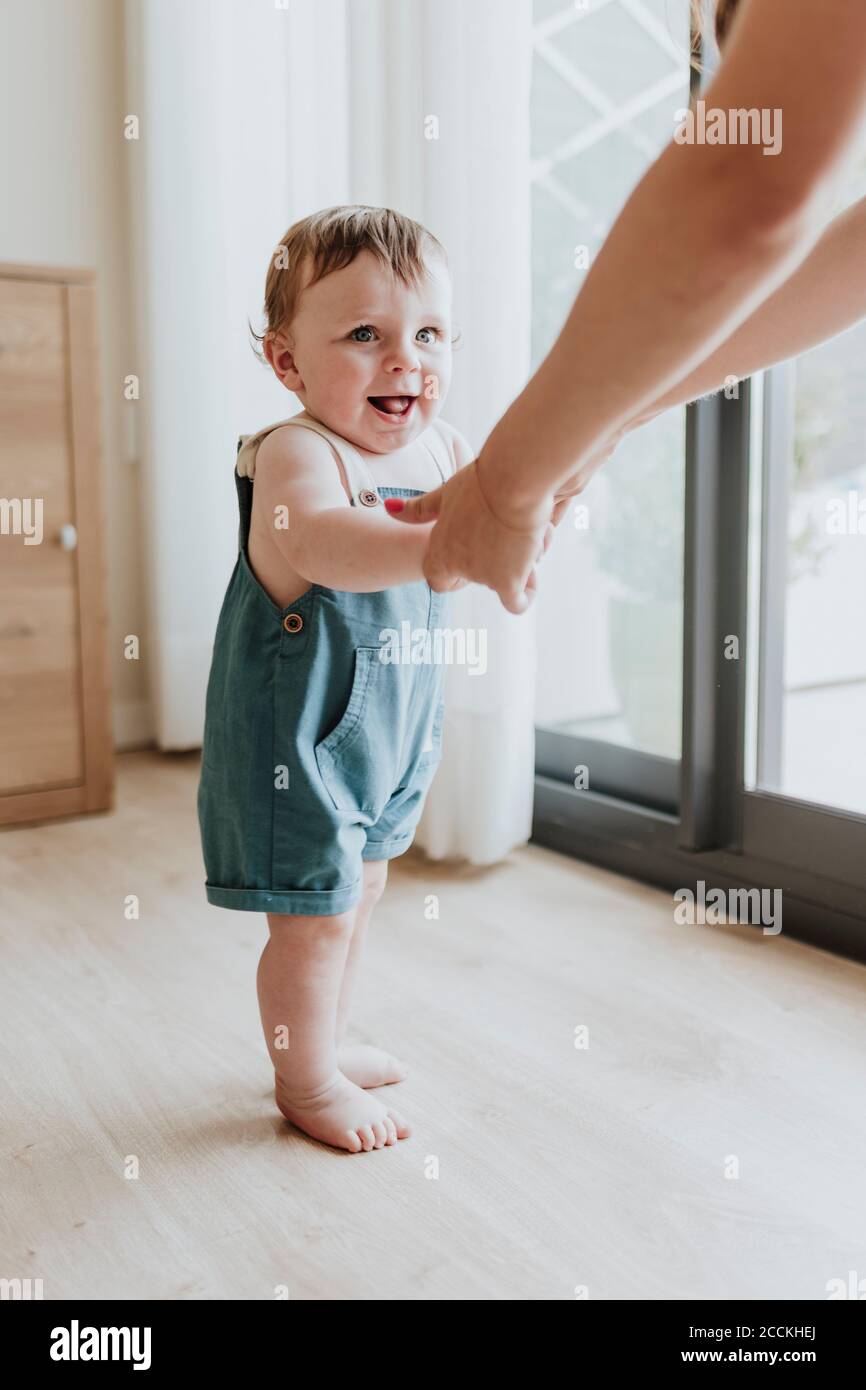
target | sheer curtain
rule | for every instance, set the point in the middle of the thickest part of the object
(250, 117)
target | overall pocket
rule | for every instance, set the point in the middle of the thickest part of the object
(356, 759)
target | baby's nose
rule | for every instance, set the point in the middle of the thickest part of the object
(404, 356)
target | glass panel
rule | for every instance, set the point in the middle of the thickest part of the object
(810, 706)
(607, 80)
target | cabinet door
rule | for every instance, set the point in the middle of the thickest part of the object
(41, 731)
(54, 731)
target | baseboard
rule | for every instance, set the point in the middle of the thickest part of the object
(133, 725)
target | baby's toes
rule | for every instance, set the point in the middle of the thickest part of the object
(402, 1127)
(381, 1134)
(395, 1068)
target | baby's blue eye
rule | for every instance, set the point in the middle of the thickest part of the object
(362, 328)
(434, 331)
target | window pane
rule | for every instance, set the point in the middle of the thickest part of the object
(812, 743)
(607, 82)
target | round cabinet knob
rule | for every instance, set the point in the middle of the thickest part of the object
(68, 536)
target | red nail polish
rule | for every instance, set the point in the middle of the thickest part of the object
(393, 504)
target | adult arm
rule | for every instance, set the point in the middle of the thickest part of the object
(707, 235)
(825, 296)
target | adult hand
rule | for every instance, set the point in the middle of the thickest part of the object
(578, 481)
(471, 541)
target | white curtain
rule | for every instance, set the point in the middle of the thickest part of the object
(251, 116)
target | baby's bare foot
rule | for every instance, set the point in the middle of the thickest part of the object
(369, 1066)
(342, 1114)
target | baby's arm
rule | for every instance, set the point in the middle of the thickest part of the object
(328, 541)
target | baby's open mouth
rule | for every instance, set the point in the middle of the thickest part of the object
(399, 406)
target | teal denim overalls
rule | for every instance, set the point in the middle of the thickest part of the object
(316, 753)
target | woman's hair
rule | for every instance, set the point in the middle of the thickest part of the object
(331, 239)
(721, 13)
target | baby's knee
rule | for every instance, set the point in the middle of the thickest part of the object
(375, 878)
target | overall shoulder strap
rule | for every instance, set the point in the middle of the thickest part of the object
(439, 449)
(248, 444)
(356, 477)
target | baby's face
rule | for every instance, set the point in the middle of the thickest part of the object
(370, 356)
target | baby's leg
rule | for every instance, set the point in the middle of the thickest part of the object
(362, 1063)
(299, 979)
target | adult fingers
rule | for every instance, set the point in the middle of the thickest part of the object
(415, 509)
(516, 599)
(441, 577)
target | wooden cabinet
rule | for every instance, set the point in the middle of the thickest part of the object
(56, 750)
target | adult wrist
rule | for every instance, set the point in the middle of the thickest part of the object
(514, 503)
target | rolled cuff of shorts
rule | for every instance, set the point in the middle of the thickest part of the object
(387, 849)
(303, 903)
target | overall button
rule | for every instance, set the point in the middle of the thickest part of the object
(368, 497)
(293, 622)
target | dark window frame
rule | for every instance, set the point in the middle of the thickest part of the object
(723, 833)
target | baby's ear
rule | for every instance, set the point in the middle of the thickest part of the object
(457, 338)
(280, 352)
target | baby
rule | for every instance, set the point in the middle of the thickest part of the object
(317, 752)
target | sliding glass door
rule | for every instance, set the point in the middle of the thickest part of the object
(606, 82)
(702, 639)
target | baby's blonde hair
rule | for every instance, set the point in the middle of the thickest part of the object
(331, 239)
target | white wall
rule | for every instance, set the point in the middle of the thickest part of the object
(64, 202)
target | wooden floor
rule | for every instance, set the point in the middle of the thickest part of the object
(535, 1168)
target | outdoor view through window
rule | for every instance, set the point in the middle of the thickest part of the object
(606, 84)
